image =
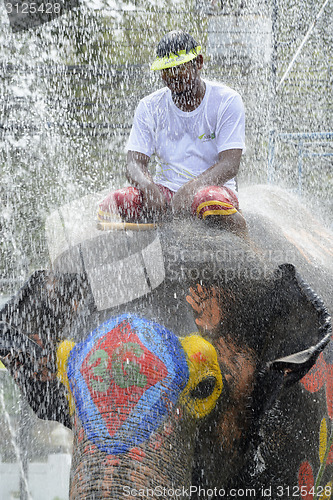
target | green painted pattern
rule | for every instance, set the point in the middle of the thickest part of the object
(100, 370)
(128, 374)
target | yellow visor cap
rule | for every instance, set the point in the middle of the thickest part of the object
(173, 60)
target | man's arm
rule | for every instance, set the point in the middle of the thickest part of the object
(218, 174)
(139, 176)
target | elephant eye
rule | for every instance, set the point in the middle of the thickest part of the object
(204, 389)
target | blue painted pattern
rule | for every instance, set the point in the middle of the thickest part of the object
(125, 378)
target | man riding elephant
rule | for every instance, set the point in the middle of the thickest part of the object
(217, 375)
(196, 129)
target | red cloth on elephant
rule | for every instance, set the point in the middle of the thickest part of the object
(128, 203)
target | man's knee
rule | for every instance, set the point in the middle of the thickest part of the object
(125, 202)
(214, 201)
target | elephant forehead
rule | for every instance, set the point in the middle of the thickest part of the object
(125, 377)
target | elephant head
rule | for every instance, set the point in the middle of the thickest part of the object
(198, 382)
(139, 391)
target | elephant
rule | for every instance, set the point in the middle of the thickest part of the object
(211, 379)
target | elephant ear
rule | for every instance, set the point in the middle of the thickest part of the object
(315, 320)
(40, 307)
(300, 326)
(300, 331)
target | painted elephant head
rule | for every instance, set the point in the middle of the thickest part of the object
(198, 382)
(139, 392)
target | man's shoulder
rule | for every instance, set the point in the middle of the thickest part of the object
(155, 97)
(221, 91)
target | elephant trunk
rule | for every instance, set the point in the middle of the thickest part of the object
(154, 468)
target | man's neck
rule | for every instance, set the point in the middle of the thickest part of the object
(190, 100)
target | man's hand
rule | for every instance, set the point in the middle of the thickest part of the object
(183, 198)
(138, 174)
(154, 200)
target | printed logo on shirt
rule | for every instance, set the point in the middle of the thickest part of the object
(206, 137)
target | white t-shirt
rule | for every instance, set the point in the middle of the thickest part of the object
(188, 143)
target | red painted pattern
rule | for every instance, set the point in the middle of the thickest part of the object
(316, 377)
(90, 449)
(199, 357)
(80, 435)
(116, 403)
(137, 454)
(168, 428)
(321, 374)
(329, 390)
(112, 461)
(156, 441)
(306, 481)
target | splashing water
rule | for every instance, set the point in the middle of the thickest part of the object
(69, 89)
(16, 448)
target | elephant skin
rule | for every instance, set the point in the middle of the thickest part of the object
(225, 310)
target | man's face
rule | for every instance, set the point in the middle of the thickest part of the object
(180, 79)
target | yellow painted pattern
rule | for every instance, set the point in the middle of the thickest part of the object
(202, 363)
(63, 353)
(322, 440)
